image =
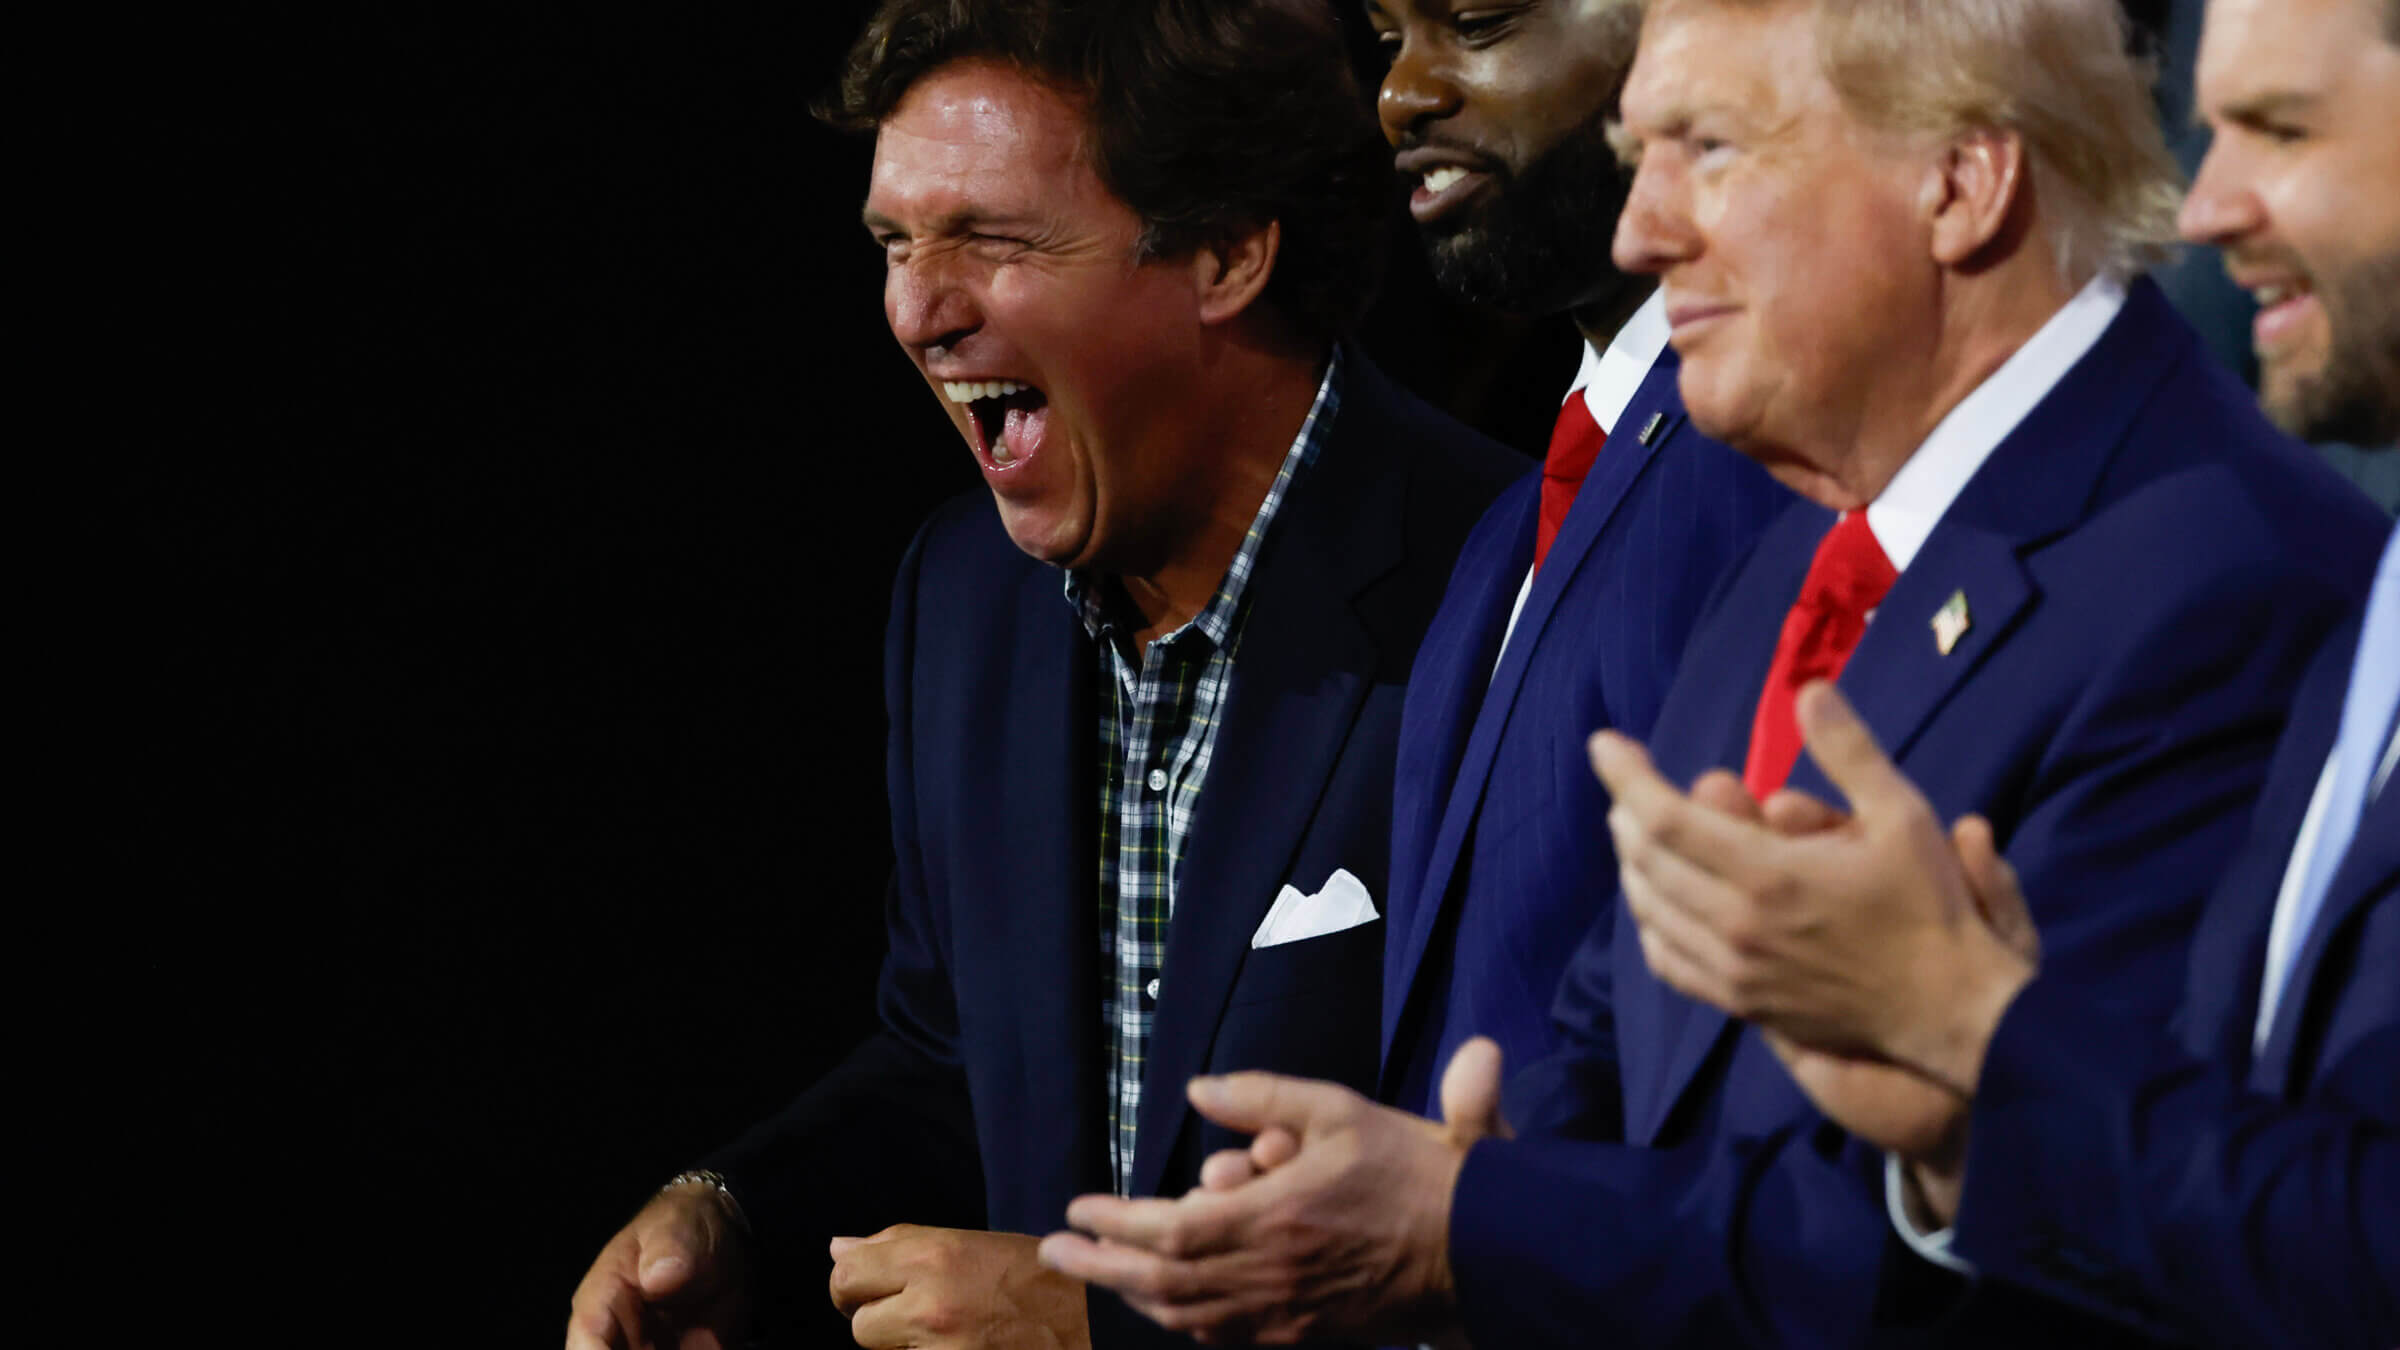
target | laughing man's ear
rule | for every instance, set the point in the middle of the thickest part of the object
(1971, 193)
(1232, 273)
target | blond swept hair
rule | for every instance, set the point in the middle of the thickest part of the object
(2058, 73)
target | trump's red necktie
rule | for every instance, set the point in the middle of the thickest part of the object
(1846, 581)
(1575, 443)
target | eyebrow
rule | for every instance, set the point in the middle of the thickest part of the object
(2259, 108)
(957, 222)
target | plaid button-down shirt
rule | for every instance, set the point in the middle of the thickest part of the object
(1158, 726)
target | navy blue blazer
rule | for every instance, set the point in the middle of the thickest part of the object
(1500, 858)
(2147, 567)
(981, 1102)
(2186, 1185)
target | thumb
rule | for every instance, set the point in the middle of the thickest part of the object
(1993, 882)
(670, 1251)
(1471, 1092)
(1846, 751)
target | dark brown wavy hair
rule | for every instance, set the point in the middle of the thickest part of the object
(1207, 117)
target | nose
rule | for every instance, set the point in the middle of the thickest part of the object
(1653, 231)
(926, 306)
(1413, 92)
(2220, 207)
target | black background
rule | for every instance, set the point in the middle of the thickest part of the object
(527, 466)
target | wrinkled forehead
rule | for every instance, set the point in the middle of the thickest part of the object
(975, 130)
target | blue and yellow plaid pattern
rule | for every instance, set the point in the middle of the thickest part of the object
(1158, 727)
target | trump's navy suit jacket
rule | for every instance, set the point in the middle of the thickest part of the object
(1500, 856)
(982, 1101)
(2186, 1184)
(2146, 568)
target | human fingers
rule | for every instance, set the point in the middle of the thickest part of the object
(1470, 1091)
(1683, 952)
(867, 1269)
(1201, 1221)
(1136, 1272)
(1719, 790)
(605, 1312)
(1846, 750)
(1716, 828)
(1226, 1169)
(1253, 1102)
(1273, 1148)
(1210, 1297)
(679, 1242)
(1791, 813)
(1624, 767)
(1992, 880)
(1667, 886)
(886, 1323)
(607, 1320)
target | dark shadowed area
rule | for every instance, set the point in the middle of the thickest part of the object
(532, 467)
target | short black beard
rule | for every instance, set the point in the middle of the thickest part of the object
(1539, 241)
(2355, 399)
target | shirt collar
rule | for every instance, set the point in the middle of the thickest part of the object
(1090, 598)
(1916, 498)
(1609, 379)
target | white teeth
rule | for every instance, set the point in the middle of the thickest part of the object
(1438, 180)
(2270, 296)
(969, 391)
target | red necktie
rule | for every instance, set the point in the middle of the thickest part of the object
(1848, 578)
(1574, 443)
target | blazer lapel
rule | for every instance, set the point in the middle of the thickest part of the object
(1446, 686)
(2036, 485)
(1662, 1037)
(2369, 870)
(1900, 676)
(2220, 1008)
(1303, 670)
(1614, 472)
(1056, 1018)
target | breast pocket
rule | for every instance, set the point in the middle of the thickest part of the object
(1321, 964)
(1310, 1009)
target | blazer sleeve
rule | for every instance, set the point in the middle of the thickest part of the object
(2114, 1172)
(888, 1135)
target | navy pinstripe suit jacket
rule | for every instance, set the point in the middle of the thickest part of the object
(1500, 854)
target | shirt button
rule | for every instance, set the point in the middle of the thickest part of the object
(1150, 990)
(1158, 780)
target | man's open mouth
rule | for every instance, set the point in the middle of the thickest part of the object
(1006, 417)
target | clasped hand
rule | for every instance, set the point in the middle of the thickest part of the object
(1336, 1221)
(1875, 950)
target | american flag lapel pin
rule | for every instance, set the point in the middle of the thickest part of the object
(1951, 622)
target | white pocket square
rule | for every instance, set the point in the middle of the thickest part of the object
(1341, 903)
